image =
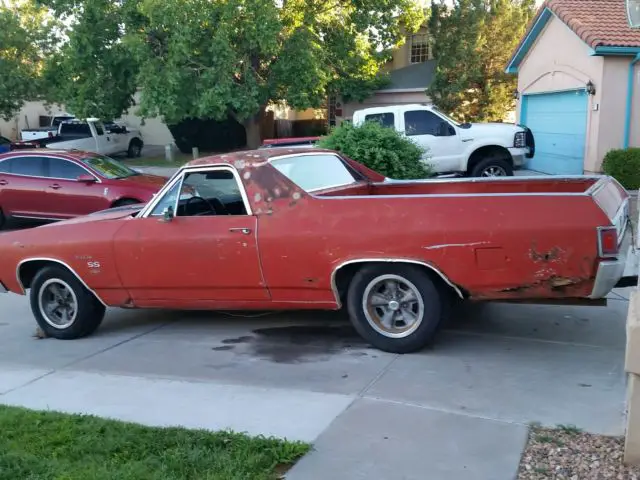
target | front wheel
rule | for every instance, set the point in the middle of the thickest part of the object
(62, 305)
(492, 167)
(396, 308)
(135, 148)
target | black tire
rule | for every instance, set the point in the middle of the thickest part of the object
(89, 311)
(124, 202)
(135, 148)
(415, 338)
(492, 163)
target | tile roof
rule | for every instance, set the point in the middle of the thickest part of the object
(599, 23)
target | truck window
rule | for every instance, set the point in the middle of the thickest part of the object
(75, 130)
(387, 119)
(315, 172)
(99, 129)
(421, 122)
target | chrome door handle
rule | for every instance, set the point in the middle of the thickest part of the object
(3, 182)
(55, 186)
(244, 231)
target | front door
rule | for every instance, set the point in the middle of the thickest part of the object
(206, 252)
(67, 197)
(437, 136)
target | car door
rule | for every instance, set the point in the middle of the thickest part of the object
(23, 187)
(107, 143)
(67, 196)
(438, 136)
(205, 255)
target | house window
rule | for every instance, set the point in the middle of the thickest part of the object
(419, 48)
(633, 8)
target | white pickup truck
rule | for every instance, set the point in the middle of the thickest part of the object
(452, 148)
(91, 135)
(29, 134)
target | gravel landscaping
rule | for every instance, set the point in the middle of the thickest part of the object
(569, 454)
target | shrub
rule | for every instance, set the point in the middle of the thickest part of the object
(624, 166)
(380, 148)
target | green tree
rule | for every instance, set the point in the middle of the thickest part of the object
(473, 41)
(380, 148)
(94, 72)
(25, 40)
(214, 59)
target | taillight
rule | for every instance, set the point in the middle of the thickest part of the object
(607, 242)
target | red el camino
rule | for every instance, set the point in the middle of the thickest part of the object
(57, 185)
(311, 229)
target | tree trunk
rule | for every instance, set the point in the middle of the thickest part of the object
(252, 128)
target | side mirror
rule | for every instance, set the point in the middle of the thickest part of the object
(167, 215)
(86, 178)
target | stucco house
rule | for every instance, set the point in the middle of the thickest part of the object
(578, 69)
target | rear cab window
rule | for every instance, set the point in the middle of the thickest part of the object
(313, 172)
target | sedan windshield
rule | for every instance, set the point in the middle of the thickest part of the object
(108, 167)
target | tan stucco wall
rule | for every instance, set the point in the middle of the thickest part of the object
(558, 61)
(401, 54)
(28, 117)
(635, 116)
(612, 105)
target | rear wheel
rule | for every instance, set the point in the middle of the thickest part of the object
(492, 167)
(62, 306)
(135, 148)
(396, 308)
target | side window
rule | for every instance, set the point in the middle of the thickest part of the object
(422, 122)
(59, 168)
(31, 166)
(99, 129)
(169, 200)
(5, 166)
(215, 192)
(210, 193)
(4, 141)
(386, 119)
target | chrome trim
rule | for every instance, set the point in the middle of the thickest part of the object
(179, 176)
(3, 289)
(60, 262)
(334, 287)
(610, 272)
(98, 178)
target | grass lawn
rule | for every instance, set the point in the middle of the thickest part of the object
(55, 446)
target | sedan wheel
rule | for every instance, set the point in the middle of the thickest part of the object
(63, 307)
(395, 307)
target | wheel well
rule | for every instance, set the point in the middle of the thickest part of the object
(344, 275)
(487, 152)
(28, 270)
(134, 141)
(120, 201)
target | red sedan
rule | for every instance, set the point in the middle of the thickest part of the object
(57, 185)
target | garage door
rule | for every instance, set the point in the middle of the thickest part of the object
(559, 123)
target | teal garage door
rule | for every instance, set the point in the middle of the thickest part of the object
(559, 124)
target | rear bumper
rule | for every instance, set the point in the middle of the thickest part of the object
(611, 272)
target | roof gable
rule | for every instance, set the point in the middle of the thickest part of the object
(602, 24)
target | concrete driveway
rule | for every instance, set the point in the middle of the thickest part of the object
(457, 411)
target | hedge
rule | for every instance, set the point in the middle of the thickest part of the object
(624, 166)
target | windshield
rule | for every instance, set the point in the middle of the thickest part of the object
(108, 167)
(315, 172)
(447, 117)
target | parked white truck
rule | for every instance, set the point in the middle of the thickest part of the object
(473, 149)
(91, 135)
